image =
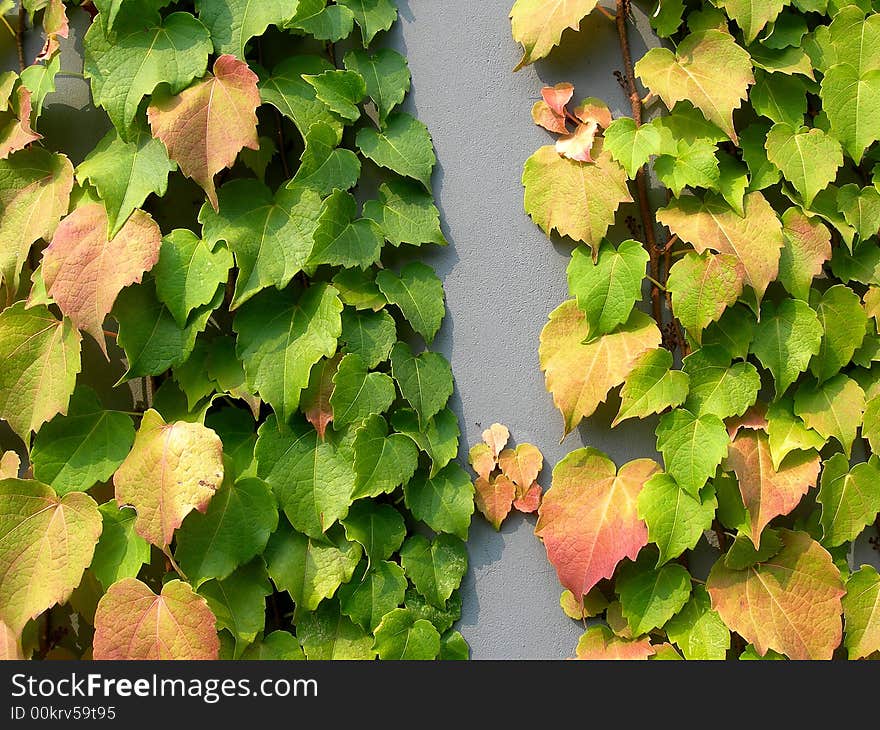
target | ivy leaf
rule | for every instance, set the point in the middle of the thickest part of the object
(310, 570)
(860, 608)
(607, 289)
(172, 469)
(438, 439)
(580, 376)
(493, 497)
(717, 386)
(755, 239)
(234, 22)
(848, 497)
(84, 269)
(277, 646)
(702, 287)
(844, 322)
(576, 199)
(324, 166)
(279, 351)
(766, 607)
(850, 100)
(126, 173)
(708, 69)
(785, 61)
(373, 16)
(403, 146)
(807, 248)
(188, 273)
(311, 478)
(633, 146)
(763, 173)
(808, 158)
(120, 552)
(286, 90)
(744, 554)
(834, 408)
(74, 452)
(381, 462)
(786, 339)
(871, 425)
(40, 359)
(207, 124)
(142, 52)
(424, 380)
(235, 528)
(371, 335)
(598, 644)
(372, 593)
(860, 208)
(406, 214)
(521, 465)
(766, 492)
(379, 528)
(444, 502)
(752, 16)
(37, 523)
(315, 399)
(418, 294)
(359, 393)
(675, 519)
(787, 432)
(326, 634)
(436, 567)
(341, 91)
(780, 98)
(340, 239)
(587, 519)
(35, 190)
(151, 338)
(386, 75)
(691, 165)
(401, 635)
(648, 597)
(538, 25)
(698, 630)
(692, 447)
(132, 622)
(652, 387)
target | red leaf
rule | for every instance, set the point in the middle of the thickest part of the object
(530, 500)
(556, 97)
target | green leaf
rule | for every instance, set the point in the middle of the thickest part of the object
(607, 289)
(807, 248)
(717, 386)
(763, 172)
(860, 606)
(120, 552)
(444, 502)
(126, 173)
(341, 91)
(327, 634)
(311, 478)
(434, 567)
(844, 322)
(324, 166)
(752, 15)
(780, 98)
(406, 214)
(675, 519)
(234, 22)
(342, 240)
(538, 25)
(860, 208)
(786, 61)
(786, 339)
(402, 635)
(788, 30)
(332, 23)
(692, 165)
(849, 498)
(277, 646)
(418, 294)
(359, 393)
(373, 16)
(850, 39)
(234, 529)
(633, 146)
(286, 90)
(744, 554)
(74, 452)
(649, 597)
(379, 528)
(871, 425)
(808, 158)
(310, 570)
(372, 593)
(652, 387)
(278, 350)
(787, 432)
(453, 647)
(149, 334)
(702, 287)
(708, 69)
(39, 79)
(143, 51)
(236, 430)
(271, 236)
(386, 75)
(852, 103)
(438, 439)
(370, 335)
(403, 146)
(381, 462)
(734, 332)
(692, 447)
(733, 181)
(40, 358)
(833, 409)
(698, 630)
(862, 265)
(358, 289)
(188, 273)
(424, 380)
(667, 16)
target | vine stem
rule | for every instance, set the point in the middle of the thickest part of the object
(645, 211)
(19, 35)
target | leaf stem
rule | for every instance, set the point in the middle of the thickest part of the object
(607, 13)
(167, 552)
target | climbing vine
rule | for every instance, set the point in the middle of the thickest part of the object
(760, 269)
(272, 475)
